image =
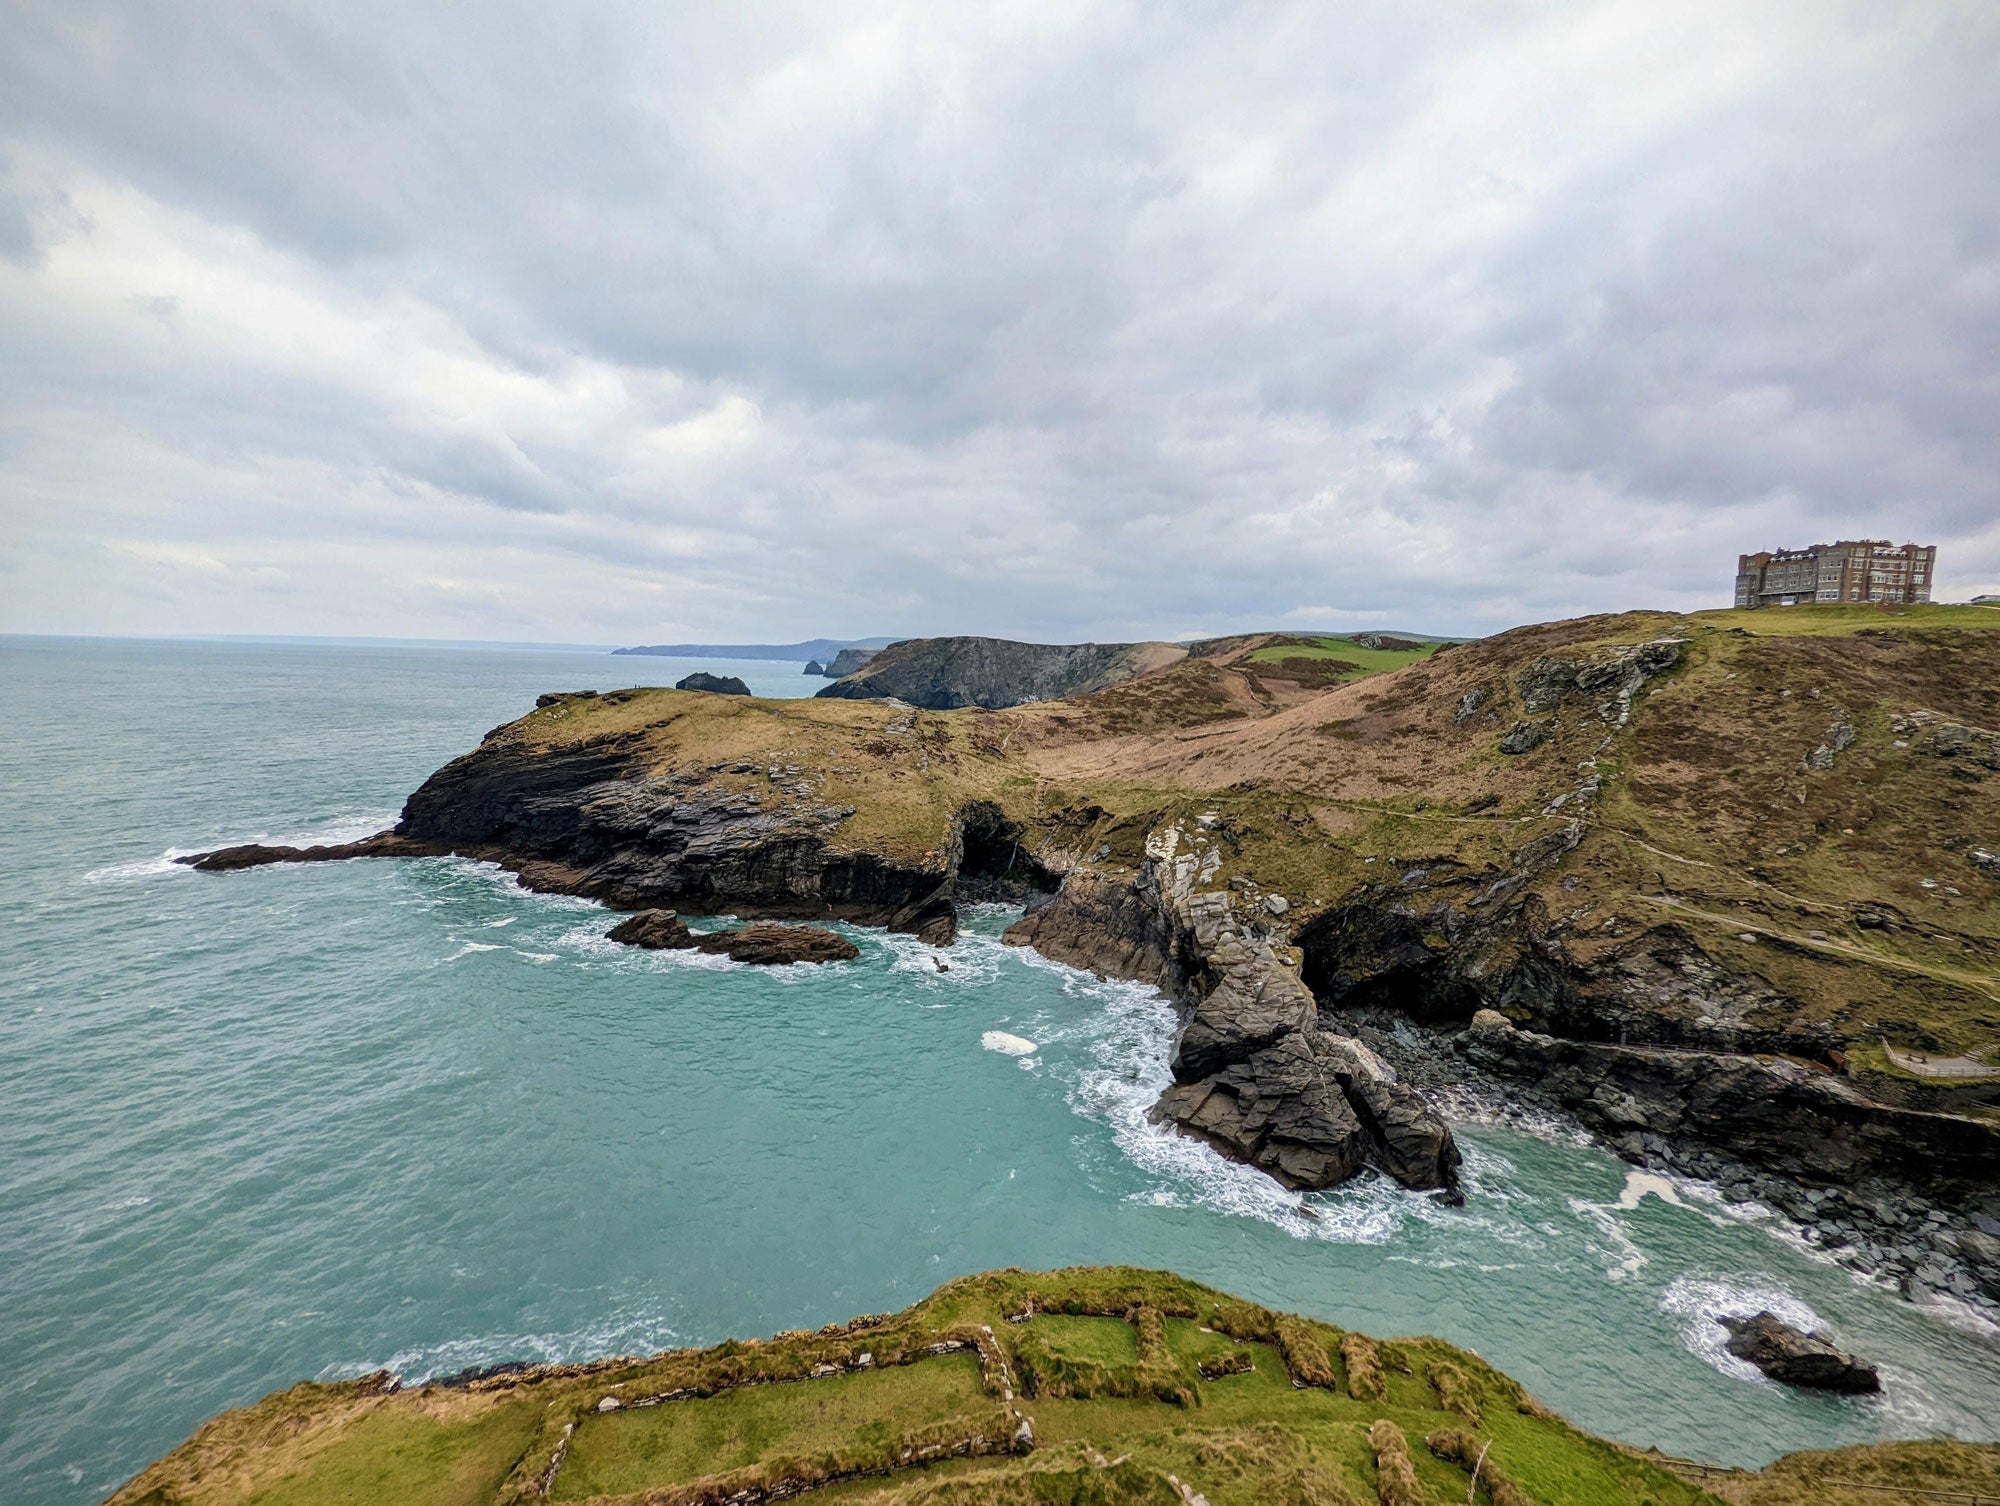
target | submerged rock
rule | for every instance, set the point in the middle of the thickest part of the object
(701, 679)
(384, 844)
(1797, 1359)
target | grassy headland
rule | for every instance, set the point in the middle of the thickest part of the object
(1134, 1386)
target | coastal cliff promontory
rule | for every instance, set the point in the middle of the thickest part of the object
(1728, 892)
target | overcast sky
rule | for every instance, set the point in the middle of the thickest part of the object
(636, 323)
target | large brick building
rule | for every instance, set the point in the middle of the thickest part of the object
(1852, 570)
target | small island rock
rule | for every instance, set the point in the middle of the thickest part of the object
(762, 945)
(773, 946)
(814, 667)
(701, 679)
(655, 930)
(1797, 1359)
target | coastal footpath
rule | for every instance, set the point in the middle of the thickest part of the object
(1101, 1386)
(1724, 888)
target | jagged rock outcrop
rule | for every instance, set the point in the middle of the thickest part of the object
(1611, 681)
(1254, 1073)
(1312, 1108)
(702, 680)
(941, 674)
(1798, 1359)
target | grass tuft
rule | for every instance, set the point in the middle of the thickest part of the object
(1364, 1366)
(1395, 1472)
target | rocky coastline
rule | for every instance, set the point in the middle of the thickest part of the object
(1880, 1227)
(1311, 1093)
(1699, 1020)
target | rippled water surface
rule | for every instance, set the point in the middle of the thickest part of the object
(310, 1121)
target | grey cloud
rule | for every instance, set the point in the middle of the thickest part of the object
(1106, 321)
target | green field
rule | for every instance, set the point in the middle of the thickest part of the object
(1834, 620)
(1366, 661)
(630, 1450)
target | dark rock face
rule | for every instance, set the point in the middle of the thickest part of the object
(591, 820)
(1312, 1109)
(1106, 926)
(1797, 1359)
(701, 679)
(814, 667)
(940, 674)
(759, 945)
(1771, 1111)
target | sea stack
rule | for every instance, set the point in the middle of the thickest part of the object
(713, 684)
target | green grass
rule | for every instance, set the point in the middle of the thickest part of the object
(1103, 1341)
(1367, 661)
(1192, 1345)
(390, 1455)
(678, 1441)
(1816, 620)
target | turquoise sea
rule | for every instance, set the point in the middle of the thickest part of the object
(307, 1122)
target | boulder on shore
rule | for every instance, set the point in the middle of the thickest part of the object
(1312, 1109)
(762, 945)
(1797, 1359)
(701, 679)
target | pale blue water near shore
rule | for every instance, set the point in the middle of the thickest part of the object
(306, 1122)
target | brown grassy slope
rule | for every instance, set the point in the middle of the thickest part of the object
(1710, 816)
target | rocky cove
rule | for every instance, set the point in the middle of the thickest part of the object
(882, 815)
